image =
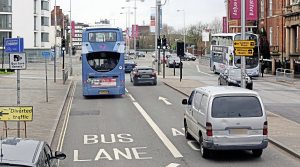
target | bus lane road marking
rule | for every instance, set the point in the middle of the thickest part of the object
(158, 131)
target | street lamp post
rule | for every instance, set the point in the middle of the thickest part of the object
(184, 31)
(127, 13)
(134, 27)
(71, 41)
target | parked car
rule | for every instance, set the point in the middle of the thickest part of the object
(232, 77)
(173, 60)
(226, 118)
(129, 65)
(27, 152)
(142, 74)
(188, 57)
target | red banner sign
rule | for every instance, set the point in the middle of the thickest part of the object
(73, 29)
(225, 25)
(250, 11)
(235, 9)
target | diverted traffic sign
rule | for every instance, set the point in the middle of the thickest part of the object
(14, 45)
(243, 52)
(244, 44)
(16, 113)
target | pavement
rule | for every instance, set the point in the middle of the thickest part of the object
(46, 114)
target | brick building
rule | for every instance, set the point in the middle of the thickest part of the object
(280, 19)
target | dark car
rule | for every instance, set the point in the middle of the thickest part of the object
(27, 152)
(232, 77)
(188, 57)
(129, 65)
(142, 74)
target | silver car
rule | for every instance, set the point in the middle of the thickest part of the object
(27, 152)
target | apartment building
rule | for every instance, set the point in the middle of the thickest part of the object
(77, 38)
(31, 24)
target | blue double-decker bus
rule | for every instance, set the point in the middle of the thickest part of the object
(103, 61)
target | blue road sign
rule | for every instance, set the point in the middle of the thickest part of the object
(14, 45)
(46, 54)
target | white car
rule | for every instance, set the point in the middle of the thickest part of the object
(173, 61)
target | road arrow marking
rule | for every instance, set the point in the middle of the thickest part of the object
(173, 165)
(164, 100)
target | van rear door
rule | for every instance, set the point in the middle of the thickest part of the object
(237, 120)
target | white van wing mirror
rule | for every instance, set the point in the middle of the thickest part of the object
(184, 101)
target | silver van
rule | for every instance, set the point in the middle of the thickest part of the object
(226, 118)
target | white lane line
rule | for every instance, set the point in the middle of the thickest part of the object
(159, 132)
(173, 165)
(198, 69)
(131, 97)
(65, 124)
(126, 90)
(190, 143)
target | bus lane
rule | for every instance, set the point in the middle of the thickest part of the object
(169, 117)
(110, 131)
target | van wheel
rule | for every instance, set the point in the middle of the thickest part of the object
(204, 151)
(257, 153)
(186, 133)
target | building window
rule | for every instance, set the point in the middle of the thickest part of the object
(45, 21)
(262, 8)
(5, 6)
(35, 4)
(45, 37)
(270, 7)
(4, 35)
(5, 21)
(35, 39)
(45, 5)
(271, 36)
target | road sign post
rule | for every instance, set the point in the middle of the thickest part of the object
(46, 55)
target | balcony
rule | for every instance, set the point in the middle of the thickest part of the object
(292, 10)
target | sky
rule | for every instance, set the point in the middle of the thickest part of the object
(89, 11)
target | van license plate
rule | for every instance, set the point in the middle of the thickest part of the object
(103, 92)
(238, 131)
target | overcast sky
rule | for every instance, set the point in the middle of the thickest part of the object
(89, 11)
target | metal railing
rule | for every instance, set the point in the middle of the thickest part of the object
(285, 75)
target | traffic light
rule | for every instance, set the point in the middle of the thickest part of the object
(164, 42)
(63, 42)
(180, 49)
(158, 43)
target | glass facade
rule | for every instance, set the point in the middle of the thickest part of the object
(45, 21)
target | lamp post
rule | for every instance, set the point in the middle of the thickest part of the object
(71, 40)
(127, 13)
(184, 31)
(55, 25)
(134, 27)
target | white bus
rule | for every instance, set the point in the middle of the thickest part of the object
(222, 49)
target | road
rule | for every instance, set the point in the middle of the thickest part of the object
(144, 128)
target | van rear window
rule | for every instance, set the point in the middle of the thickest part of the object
(236, 106)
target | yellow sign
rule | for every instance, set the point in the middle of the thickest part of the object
(16, 113)
(244, 43)
(243, 52)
